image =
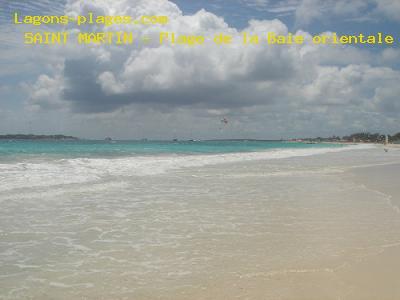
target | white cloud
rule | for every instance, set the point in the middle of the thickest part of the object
(279, 86)
(390, 56)
(322, 10)
(256, 3)
(282, 7)
(46, 93)
(389, 8)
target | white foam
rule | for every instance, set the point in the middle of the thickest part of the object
(85, 170)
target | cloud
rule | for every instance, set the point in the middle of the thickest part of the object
(390, 56)
(210, 75)
(259, 4)
(350, 86)
(46, 93)
(389, 8)
(309, 11)
(387, 100)
(304, 86)
(275, 7)
(30, 7)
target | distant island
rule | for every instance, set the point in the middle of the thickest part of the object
(362, 137)
(57, 137)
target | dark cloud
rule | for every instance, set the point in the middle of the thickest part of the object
(312, 88)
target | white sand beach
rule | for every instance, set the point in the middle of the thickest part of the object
(325, 226)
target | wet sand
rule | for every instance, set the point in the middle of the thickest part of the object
(320, 227)
(362, 271)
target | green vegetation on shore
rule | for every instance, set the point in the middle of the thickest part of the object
(36, 137)
(362, 137)
(373, 137)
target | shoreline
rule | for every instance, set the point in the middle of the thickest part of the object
(302, 227)
(62, 170)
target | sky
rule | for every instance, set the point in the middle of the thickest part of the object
(164, 92)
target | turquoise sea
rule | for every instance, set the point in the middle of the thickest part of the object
(30, 164)
(93, 148)
(172, 220)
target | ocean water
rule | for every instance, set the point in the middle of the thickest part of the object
(87, 148)
(30, 164)
(195, 220)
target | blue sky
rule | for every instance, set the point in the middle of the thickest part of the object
(293, 92)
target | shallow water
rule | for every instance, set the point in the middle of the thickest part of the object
(44, 164)
(100, 149)
(197, 227)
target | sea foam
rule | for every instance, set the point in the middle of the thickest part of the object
(89, 170)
